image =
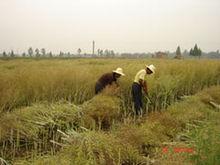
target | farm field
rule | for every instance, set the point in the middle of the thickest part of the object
(50, 114)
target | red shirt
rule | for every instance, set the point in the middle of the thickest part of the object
(107, 79)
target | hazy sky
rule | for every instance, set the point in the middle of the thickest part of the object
(121, 25)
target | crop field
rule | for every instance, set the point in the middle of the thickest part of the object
(49, 113)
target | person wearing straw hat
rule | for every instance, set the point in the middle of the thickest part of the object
(108, 79)
(138, 84)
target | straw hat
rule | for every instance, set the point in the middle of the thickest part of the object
(119, 71)
(151, 67)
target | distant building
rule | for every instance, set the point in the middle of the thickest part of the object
(160, 55)
(179, 56)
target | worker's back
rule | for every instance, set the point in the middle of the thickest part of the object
(106, 79)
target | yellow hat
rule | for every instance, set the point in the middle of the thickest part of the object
(151, 67)
(119, 71)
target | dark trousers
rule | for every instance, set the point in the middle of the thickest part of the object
(98, 87)
(136, 92)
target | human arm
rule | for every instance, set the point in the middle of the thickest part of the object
(117, 84)
(144, 85)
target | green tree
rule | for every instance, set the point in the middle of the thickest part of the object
(185, 53)
(79, 51)
(199, 52)
(37, 52)
(50, 54)
(98, 52)
(12, 54)
(43, 52)
(196, 51)
(112, 53)
(178, 51)
(4, 54)
(61, 54)
(106, 53)
(24, 54)
(191, 52)
(30, 52)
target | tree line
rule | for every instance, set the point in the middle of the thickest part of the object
(178, 54)
(32, 53)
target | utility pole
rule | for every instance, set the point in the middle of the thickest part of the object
(93, 48)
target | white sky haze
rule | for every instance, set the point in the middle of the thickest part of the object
(121, 25)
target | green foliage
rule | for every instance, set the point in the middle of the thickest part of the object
(30, 52)
(79, 51)
(43, 52)
(4, 54)
(37, 52)
(196, 51)
(178, 51)
(206, 141)
(12, 54)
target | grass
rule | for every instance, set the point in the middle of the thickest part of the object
(31, 128)
(141, 142)
(23, 82)
(207, 142)
(49, 113)
(207, 136)
(201, 136)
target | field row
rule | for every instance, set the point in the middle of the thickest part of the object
(23, 82)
